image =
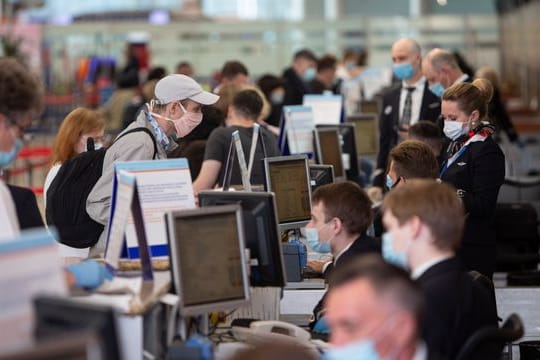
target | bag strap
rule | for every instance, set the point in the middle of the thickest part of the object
(139, 129)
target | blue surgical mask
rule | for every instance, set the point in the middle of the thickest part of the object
(437, 89)
(403, 71)
(7, 157)
(389, 182)
(309, 74)
(390, 254)
(361, 350)
(312, 237)
(277, 97)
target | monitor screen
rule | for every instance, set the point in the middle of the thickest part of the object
(56, 317)
(347, 135)
(326, 109)
(207, 258)
(260, 230)
(320, 175)
(367, 133)
(329, 149)
(288, 178)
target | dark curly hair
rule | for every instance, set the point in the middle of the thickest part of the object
(19, 90)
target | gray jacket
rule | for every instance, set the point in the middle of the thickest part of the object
(132, 147)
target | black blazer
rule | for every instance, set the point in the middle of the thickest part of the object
(455, 307)
(295, 88)
(26, 206)
(478, 175)
(430, 109)
(363, 245)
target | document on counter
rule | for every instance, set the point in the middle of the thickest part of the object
(162, 185)
(29, 265)
(327, 109)
(298, 129)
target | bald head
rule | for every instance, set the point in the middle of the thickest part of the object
(439, 58)
(440, 66)
(407, 45)
(404, 51)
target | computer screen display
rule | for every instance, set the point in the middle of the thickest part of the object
(260, 230)
(367, 133)
(349, 155)
(207, 258)
(328, 146)
(57, 317)
(288, 178)
(320, 175)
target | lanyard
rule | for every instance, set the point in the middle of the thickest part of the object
(241, 160)
(450, 161)
(254, 139)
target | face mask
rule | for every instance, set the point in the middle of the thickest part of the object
(454, 129)
(184, 124)
(403, 71)
(312, 236)
(437, 89)
(7, 157)
(389, 182)
(390, 255)
(98, 146)
(277, 97)
(361, 350)
(350, 65)
(309, 74)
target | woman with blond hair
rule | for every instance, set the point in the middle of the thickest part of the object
(79, 125)
(475, 166)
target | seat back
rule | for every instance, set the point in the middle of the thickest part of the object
(489, 342)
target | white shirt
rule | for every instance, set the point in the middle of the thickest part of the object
(421, 352)
(336, 257)
(9, 224)
(65, 251)
(461, 79)
(420, 270)
(416, 97)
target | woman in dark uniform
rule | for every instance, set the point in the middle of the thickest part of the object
(475, 166)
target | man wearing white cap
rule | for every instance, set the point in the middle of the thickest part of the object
(175, 109)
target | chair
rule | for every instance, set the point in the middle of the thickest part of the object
(489, 342)
(485, 283)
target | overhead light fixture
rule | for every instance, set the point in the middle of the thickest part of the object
(442, 2)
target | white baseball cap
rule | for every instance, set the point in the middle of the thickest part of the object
(180, 87)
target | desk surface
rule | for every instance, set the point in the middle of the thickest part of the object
(314, 284)
(130, 304)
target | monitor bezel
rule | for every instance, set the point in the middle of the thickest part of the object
(335, 129)
(266, 195)
(323, 167)
(296, 224)
(175, 261)
(353, 119)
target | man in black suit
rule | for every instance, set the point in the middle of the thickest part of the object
(26, 206)
(442, 71)
(297, 77)
(405, 103)
(424, 221)
(340, 216)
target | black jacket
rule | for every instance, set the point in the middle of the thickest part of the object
(295, 88)
(478, 175)
(363, 245)
(389, 120)
(26, 206)
(455, 307)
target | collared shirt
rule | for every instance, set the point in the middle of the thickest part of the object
(337, 257)
(416, 98)
(8, 215)
(421, 351)
(461, 79)
(420, 270)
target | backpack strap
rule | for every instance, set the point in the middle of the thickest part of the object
(139, 129)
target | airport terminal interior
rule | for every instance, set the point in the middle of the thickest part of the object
(262, 179)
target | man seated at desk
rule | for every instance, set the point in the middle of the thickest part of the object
(340, 216)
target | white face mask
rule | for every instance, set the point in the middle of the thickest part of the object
(454, 129)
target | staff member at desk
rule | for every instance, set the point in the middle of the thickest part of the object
(475, 166)
(340, 216)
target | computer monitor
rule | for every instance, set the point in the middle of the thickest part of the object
(208, 264)
(288, 178)
(369, 106)
(349, 157)
(328, 149)
(260, 230)
(367, 133)
(320, 175)
(56, 317)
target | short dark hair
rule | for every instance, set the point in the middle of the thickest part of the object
(326, 62)
(19, 90)
(348, 202)
(232, 68)
(156, 73)
(387, 280)
(305, 54)
(427, 132)
(414, 159)
(248, 104)
(268, 82)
